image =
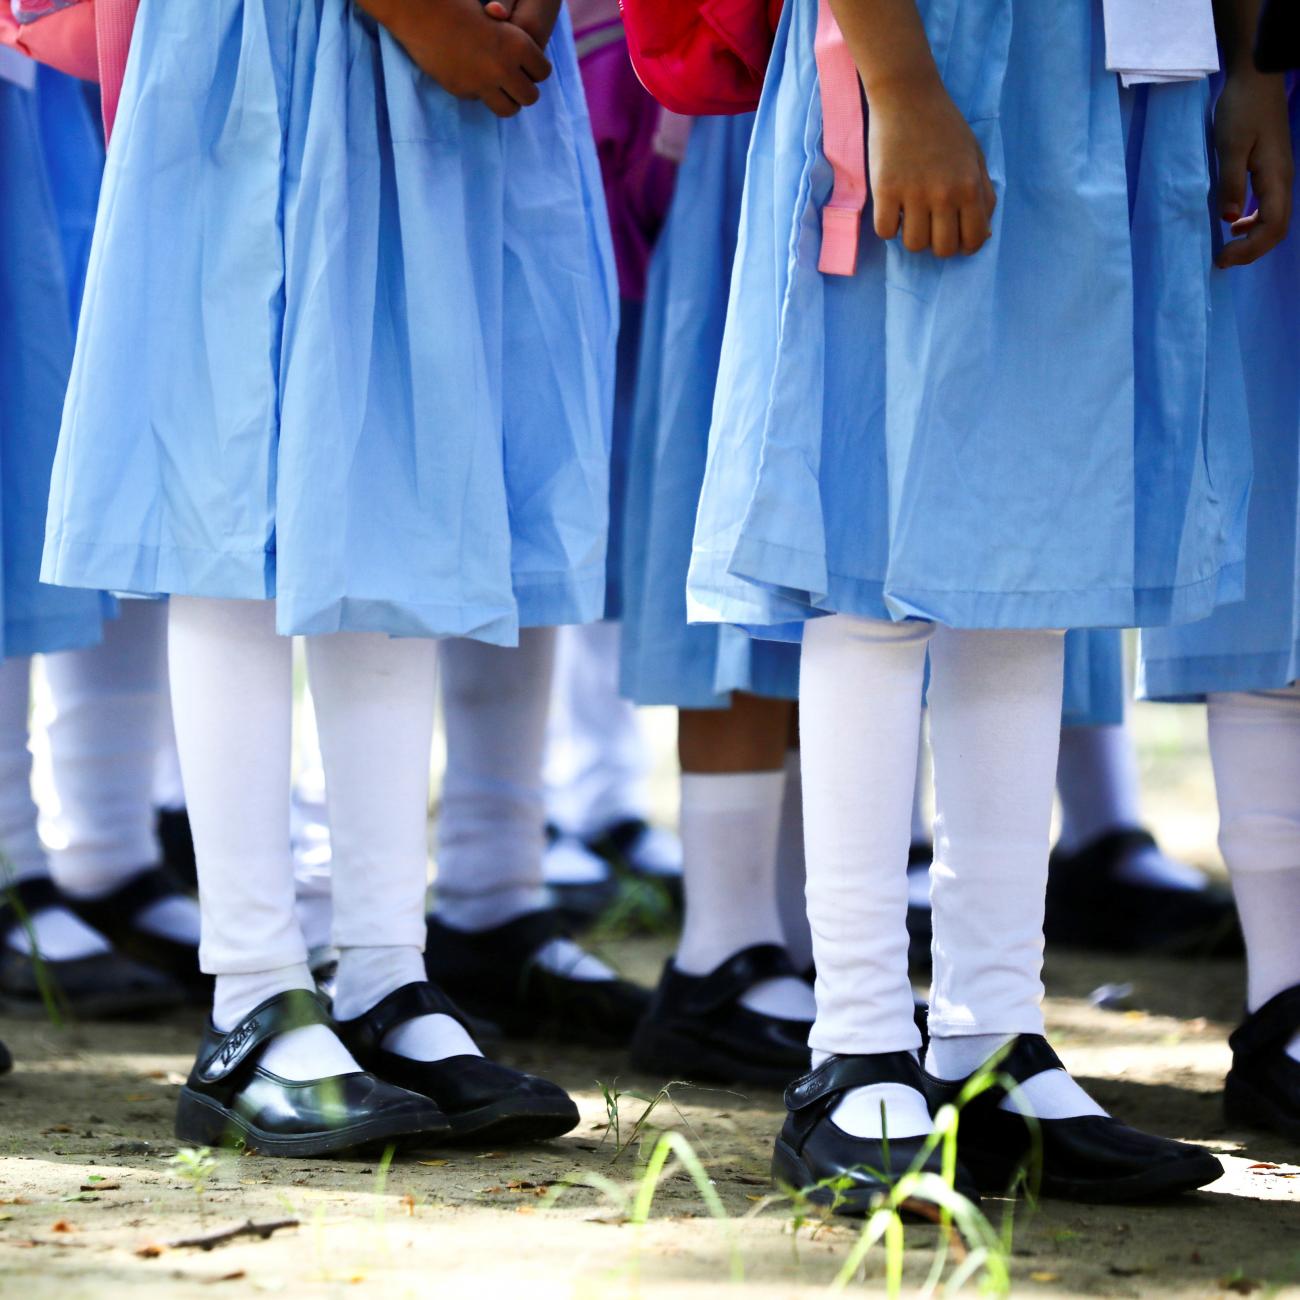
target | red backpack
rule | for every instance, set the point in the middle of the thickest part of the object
(89, 39)
(702, 57)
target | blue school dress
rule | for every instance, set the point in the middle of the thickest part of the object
(50, 157)
(665, 660)
(1017, 439)
(1254, 645)
(347, 342)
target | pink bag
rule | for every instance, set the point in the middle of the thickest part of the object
(89, 39)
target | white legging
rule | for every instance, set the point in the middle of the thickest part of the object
(231, 679)
(106, 714)
(491, 825)
(995, 702)
(1255, 746)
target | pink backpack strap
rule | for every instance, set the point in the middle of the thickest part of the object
(114, 23)
(844, 143)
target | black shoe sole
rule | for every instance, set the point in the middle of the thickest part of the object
(660, 1051)
(1246, 1107)
(1157, 1182)
(201, 1121)
(510, 1122)
(790, 1170)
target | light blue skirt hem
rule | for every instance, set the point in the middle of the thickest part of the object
(778, 605)
(1188, 680)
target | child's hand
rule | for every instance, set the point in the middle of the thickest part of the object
(927, 171)
(1253, 139)
(466, 52)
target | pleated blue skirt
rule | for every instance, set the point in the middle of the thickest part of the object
(666, 660)
(50, 159)
(347, 340)
(1024, 438)
(1254, 645)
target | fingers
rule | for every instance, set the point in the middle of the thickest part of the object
(1266, 227)
(496, 9)
(533, 61)
(1233, 161)
(520, 87)
(500, 103)
(945, 232)
(886, 213)
(975, 227)
(916, 227)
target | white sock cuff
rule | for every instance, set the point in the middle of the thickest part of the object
(731, 792)
(236, 995)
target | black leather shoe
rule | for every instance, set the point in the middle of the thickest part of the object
(229, 1100)
(621, 845)
(1263, 1087)
(115, 916)
(1090, 905)
(492, 974)
(813, 1151)
(6, 1061)
(105, 985)
(697, 1029)
(1090, 1158)
(483, 1101)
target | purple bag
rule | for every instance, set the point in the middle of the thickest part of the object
(638, 142)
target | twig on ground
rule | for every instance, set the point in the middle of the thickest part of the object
(208, 1240)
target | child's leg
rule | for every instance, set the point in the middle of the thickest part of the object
(374, 699)
(232, 699)
(59, 934)
(491, 827)
(733, 793)
(103, 735)
(1255, 745)
(791, 871)
(860, 708)
(995, 719)
(1097, 781)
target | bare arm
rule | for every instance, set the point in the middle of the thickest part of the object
(928, 174)
(1252, 138)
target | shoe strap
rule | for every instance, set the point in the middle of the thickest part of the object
(838, 1074)
(24, 898)
(294, 1009)
(367, 1032)
(1269, 1028)
(1028, 1055)
(726, 984)
(1115, 846)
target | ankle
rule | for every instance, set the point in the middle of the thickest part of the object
(234, 996)
(368, 975)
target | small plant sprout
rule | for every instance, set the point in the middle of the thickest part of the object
(195, 1166)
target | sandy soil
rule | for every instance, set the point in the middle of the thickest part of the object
(89, 1203)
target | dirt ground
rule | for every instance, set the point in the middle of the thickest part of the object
(91, 1207)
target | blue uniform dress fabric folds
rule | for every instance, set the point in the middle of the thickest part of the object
(666, 660)
(1023, 438)
(50, 159)
(1254, 645)
(347, 341)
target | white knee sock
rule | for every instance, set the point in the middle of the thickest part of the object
(1255, 746)
(374, 698)
(102, 726)
(491, 827)
(232, 700)
(1097, 781)
(59, 935)
(730, 824)
(596, 759)
(860, 709)
(995, 705)
(791, 873)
